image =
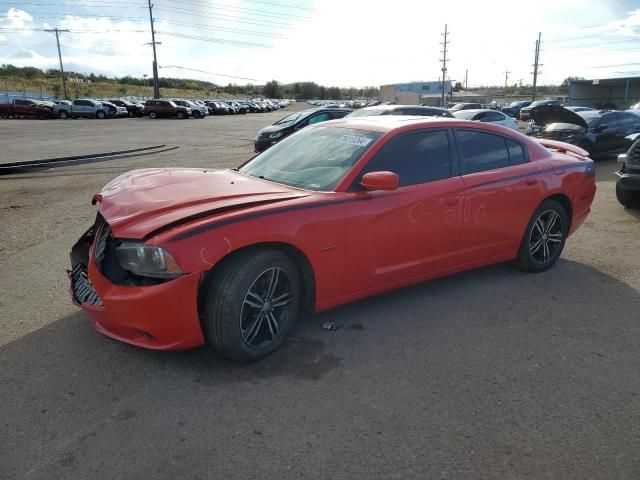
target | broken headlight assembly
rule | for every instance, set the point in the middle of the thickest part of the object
(147, 261)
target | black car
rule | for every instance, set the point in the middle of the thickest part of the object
(402, 110)
(292, 123)
(466, 106)
(597, 131)
(217, 108)
(513, 110)
(525, 112)
(133, 109)
(628, 184)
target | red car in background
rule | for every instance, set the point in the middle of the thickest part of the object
(23, 107)
(338, 211)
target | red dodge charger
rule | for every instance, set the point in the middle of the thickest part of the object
(339, 211)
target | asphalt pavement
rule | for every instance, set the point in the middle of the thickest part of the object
(488, 374)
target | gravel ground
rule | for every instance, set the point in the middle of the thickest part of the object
(489, 374)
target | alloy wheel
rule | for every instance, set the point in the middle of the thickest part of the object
(265, 307)
(546, 237)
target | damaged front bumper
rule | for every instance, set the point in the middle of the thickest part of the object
(163, 316)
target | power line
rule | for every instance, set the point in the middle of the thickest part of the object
(212, 73)
(214, 40)
(273, 4)
(242, 10)
(227, 18)
(239, 31)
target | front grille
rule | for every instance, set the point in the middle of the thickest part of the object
(103, 232)
(633, 156)
(83, 291)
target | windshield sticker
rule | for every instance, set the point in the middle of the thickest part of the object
(354, 140)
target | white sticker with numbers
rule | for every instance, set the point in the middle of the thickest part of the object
(354, 140)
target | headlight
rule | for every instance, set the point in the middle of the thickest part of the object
(147, 261)
(275, 135)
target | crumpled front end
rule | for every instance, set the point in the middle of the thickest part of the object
(149, 313)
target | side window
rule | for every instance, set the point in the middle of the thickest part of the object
(609, 119)
(627, 121)
(20, 102)
(494, 117)
(321, 117)
(481, 151)
(517, 154)
(415, 157)
(338, 114)
(481, 117)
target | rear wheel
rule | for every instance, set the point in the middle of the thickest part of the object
(100, 114)
(627, 198)
(251, 304)
(544, 238)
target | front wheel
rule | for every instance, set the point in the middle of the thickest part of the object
(63, 114)
(627, 198)
(180, 115)
(196, 114)
(153, 115)
(100, 114)
(251, 304)
(544, 238)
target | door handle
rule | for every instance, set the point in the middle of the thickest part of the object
(531, 181)
(450, 202)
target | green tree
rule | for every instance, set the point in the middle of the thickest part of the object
(272, 89)
(566, 81)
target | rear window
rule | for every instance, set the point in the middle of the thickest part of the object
(481, 151)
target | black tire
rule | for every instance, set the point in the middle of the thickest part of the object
(63, 114)
(544, 238)
(100, 114)
(180, 115)
(196, 114)
(131, 114)
(627, 198)
(153, 115)
(239, 321)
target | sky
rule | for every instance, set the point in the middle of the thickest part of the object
(332, 42)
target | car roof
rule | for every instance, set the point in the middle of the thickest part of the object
(388, 123)
(478, 110)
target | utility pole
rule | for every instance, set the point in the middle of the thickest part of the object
(444, 61)
(466, 80)
(156, 82)
(64, 83)
(506, 78)
(536, 66)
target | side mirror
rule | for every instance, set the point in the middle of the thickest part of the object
(380, 181)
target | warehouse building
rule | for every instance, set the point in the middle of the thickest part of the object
(618, 93)
(414, 93)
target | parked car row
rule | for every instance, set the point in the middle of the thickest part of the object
(114, 107)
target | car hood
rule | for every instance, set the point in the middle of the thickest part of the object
(273, 128)
(142, 203)
(546, 114)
